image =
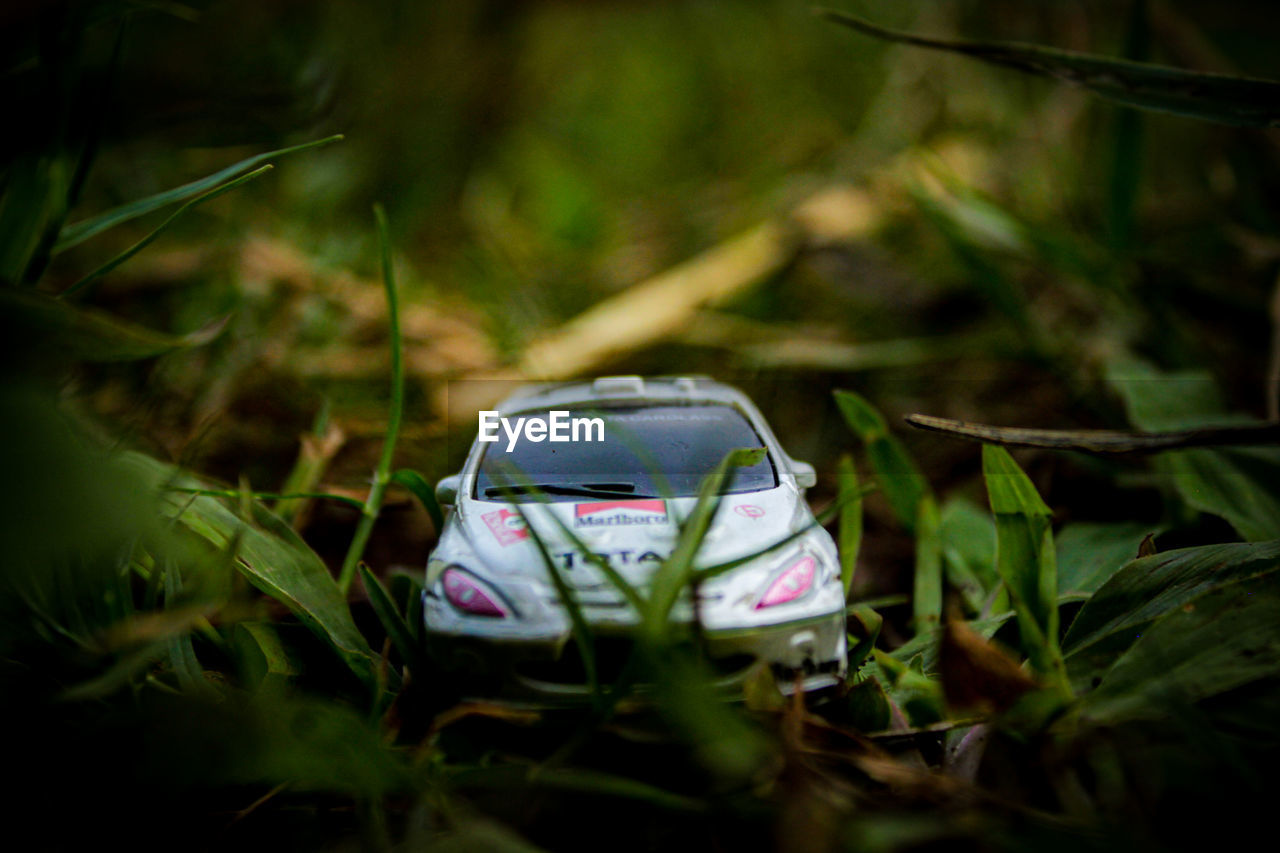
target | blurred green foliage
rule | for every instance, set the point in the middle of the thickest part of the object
(179, 665)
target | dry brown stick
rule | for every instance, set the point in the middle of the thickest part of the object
(1101, 441)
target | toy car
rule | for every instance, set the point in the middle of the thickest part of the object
(619, 462)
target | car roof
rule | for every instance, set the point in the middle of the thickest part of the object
(627, 390)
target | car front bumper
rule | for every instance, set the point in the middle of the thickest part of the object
(807, 654)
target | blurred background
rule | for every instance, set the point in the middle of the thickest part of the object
(969, 242)
(740, 188)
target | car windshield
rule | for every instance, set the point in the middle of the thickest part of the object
(634, 451)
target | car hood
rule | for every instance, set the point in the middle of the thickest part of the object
(635, 535)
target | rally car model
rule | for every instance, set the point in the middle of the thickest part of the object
(618, 462)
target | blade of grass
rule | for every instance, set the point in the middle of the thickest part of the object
(819, 520)
(899, 478)
(36, 321)
(422, 490)
(850, 498)
(1223, 98)
(182, 653)
(161, 228)
(78, 232)
(677, 570)
(1026, 562)
(926, 592)
(578, 623)
(382, 475)
(392, 622)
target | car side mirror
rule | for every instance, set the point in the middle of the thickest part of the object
(806, 477)
(447, 490)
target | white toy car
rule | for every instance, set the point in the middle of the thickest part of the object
(494, 620)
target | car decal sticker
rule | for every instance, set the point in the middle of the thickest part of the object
(627, 557)
(506, 526)
(749, 510)
(620, 513)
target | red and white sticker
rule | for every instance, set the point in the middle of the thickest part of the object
(620, 513)
(749, 510)
(506, 526)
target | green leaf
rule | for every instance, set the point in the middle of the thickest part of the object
(969, 554)
(1090, 554)
(78, 232)
(850, 499)
(272, 557)
(1025, 559)
(423, 491)
(1239, 484)
(579, 626)
(677, 570)
(926, 596)
(161, 228)
(1219, 641)
(381, 474)
(35, 322)
(1227, 99)
(868, 706)
(894, 468)
(911, 690)
(865, 625)
(264, 660)
(1146, 588)
(32, 201)
(392, 622)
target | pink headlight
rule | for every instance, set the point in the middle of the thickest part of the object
(790, 585)
(466, 595)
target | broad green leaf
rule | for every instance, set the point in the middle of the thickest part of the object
(969, 553)
(1089, 554)
(926, 596)
(273, 558)
(899, 478)
(264, 660)
(1145, 589)
(1224, 639)
(1241, 101)
(1025, 559)
(35, 322)
(850, 498)
(1240, 484)
(78, 232)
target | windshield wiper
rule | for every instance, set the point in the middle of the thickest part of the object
(587, 490)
